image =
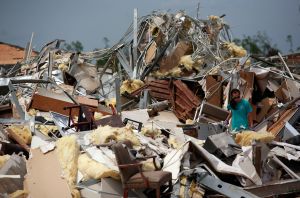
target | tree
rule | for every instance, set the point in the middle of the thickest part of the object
(106, 42)
(74, 46)
(101, 62)
(259, 44)
(289, 40)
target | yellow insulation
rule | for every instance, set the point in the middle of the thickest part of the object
(175, 72)
(18, 194)
(63, 67)
(98, 115)
(213, 18)
(107, 133)
(131, 85)
(173, 142)
(189, 63)
(151, 132)
(183, 181)
(3, 160)
(111, 101)
(23, 132)
(195, 191)
(46, 129)
(235, 50)
(246, 137)
(148, 165)
(189, 121)
(67, 150)
(32, 112)
(91, 169)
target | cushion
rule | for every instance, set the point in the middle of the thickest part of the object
(160, 177)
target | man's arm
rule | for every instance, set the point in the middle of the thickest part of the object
(249, 116)
(228, 117)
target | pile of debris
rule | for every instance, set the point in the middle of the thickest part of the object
(163, 92)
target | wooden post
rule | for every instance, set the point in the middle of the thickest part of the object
(256, 157)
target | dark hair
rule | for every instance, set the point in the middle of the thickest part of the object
(233, 103)
(234, 90)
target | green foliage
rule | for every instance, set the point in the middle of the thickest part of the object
(289, 40)
(106, 42)
(101, 62)
(259, 44)
(74, 46)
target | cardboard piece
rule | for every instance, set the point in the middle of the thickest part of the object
(86, 76)
(246, 90)
(266, 105)
(261, 77)
(43, 177)
(150, 54)
(214, 87)
(287, 91)
(172, 60)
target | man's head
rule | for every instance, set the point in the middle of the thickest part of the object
(235, 94)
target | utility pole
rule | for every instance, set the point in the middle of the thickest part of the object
(135, 29)
(198, 10)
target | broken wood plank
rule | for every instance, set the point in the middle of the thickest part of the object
(279, 124)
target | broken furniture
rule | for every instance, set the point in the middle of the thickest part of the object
(183, 100)
(138, 125)
(86, 120)
(132, 175)
(222, 145)
(46, 100)
(201, 131)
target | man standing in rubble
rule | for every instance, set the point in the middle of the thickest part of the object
(240, 112)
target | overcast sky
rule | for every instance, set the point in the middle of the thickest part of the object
(90, 20)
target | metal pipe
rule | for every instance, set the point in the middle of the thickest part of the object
(285, 65)
(287, 169)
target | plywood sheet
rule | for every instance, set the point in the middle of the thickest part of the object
(43, 177)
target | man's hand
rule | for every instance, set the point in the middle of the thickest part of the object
(226, 122)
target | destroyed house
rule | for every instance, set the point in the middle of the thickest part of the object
(11, 54)
(153, 121)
